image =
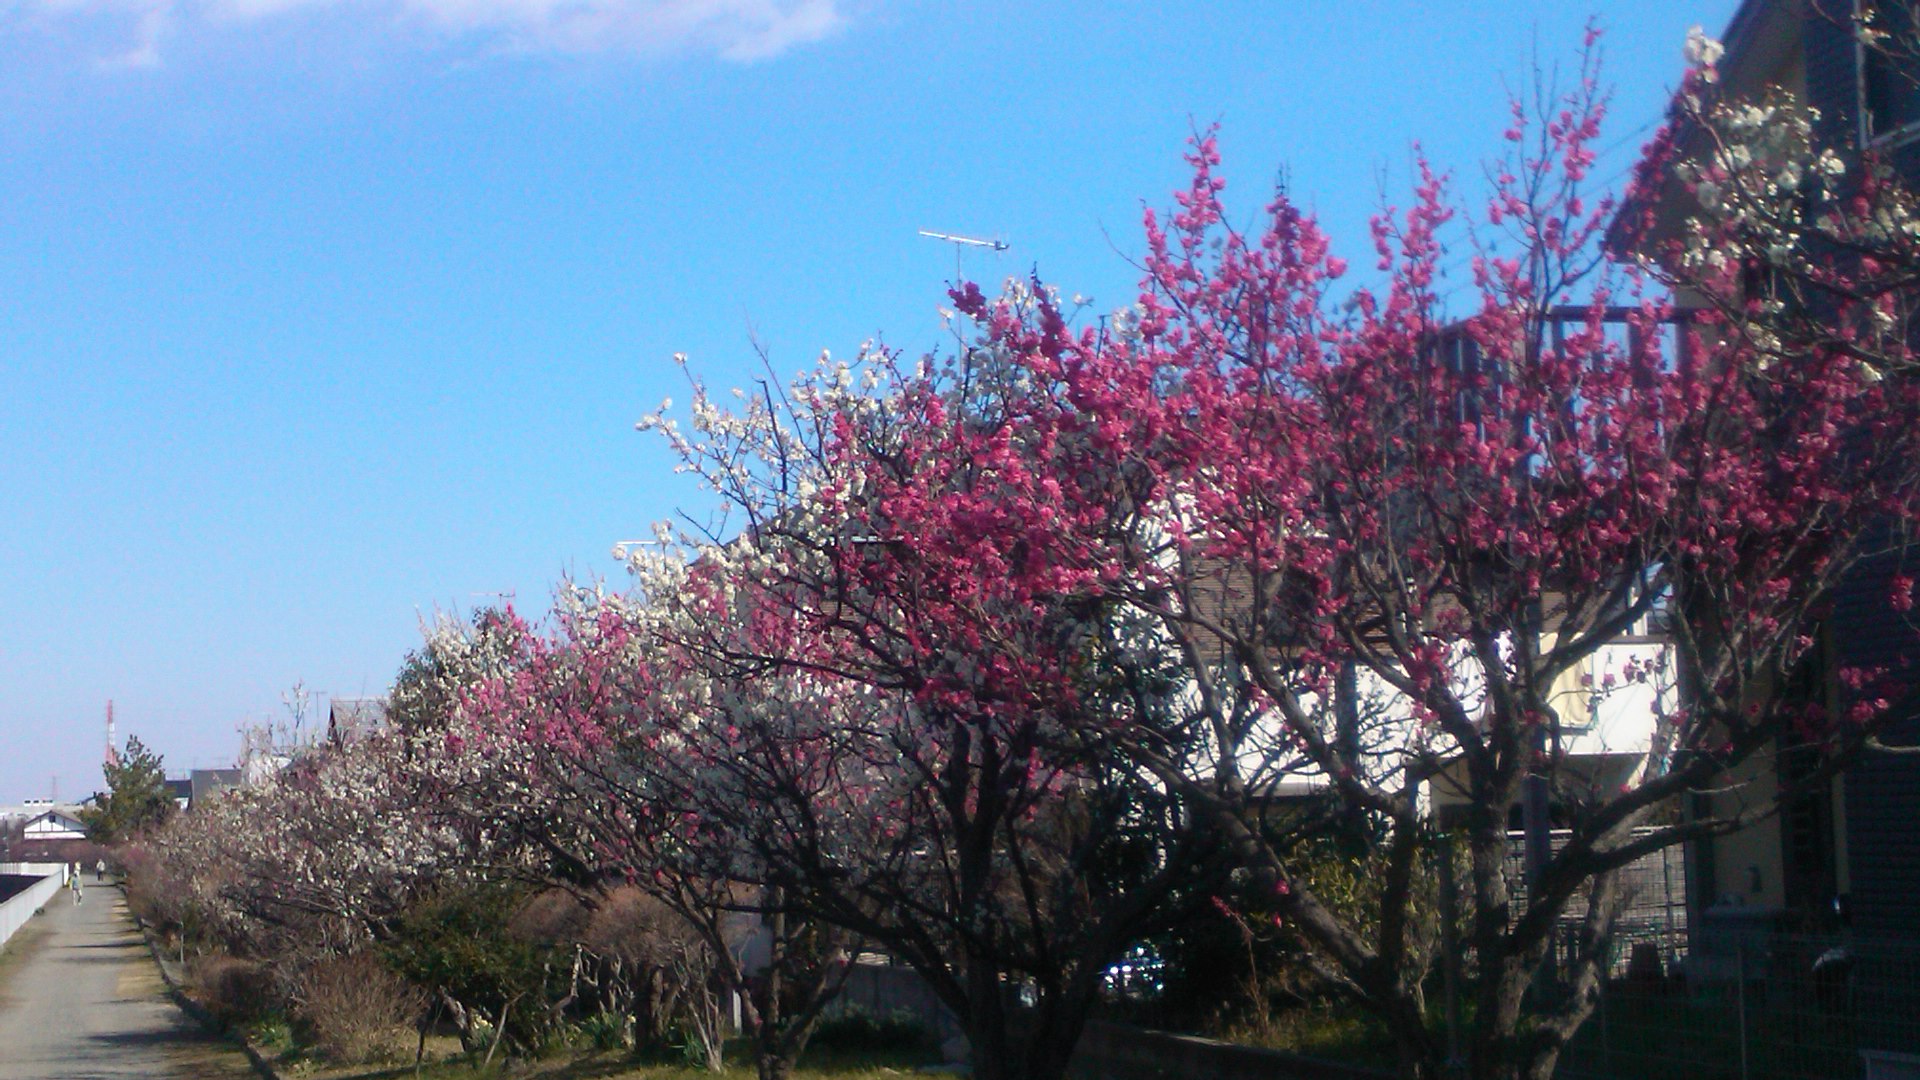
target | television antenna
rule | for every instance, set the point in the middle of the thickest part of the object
(961, 243)
(965, 241)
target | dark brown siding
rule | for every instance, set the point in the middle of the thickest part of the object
(1832, 71)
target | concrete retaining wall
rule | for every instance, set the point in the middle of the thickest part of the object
(883, 990)
(22, 905)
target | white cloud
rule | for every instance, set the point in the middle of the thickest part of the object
(738, 30)
(149, 25)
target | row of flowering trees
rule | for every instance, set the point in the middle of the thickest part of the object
(1009, 655)
(1269, 529)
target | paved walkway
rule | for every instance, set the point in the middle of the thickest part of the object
(83, 1001)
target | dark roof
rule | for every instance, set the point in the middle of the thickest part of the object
(1761, 34)
(56, 812)
(1758, 36)
(353, 719)
(204, 782)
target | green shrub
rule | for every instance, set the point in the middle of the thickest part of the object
(853, 1028)
(607, 1031)
(462, 942)
(271, 1033)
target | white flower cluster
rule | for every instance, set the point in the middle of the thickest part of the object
(1755, 182)
(1766, 196)
(1702, 51)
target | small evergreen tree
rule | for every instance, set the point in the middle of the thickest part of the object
(136, 799)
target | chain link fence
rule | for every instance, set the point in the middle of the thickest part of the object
(1653, 922)
(1736, 998)
(1765, 1007)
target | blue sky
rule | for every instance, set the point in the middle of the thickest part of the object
(316, 315)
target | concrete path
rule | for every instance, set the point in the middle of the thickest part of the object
(80, 999)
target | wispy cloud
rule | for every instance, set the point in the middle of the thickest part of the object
(739, 30)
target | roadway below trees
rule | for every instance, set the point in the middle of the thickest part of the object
(80, 999)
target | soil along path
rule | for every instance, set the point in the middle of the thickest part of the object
(84, 1002)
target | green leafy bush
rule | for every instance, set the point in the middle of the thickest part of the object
(857, 1029)
(607, 1031)
(461, 942)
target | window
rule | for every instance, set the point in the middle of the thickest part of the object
(1889, 67)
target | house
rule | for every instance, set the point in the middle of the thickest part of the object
(54, 824)
(350, 720)
(1854, 848)
(55, 834)
(202, 783)
(1842, 863)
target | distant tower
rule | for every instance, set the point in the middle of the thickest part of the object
(113, 755)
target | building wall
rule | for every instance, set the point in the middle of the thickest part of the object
(54, 829)
(1869, 822)
(1752, 856)
(1882, 807)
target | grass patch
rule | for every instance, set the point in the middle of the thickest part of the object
(1336, 1034)
(848, 1064)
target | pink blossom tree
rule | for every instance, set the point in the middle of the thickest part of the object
(619, 738)
(319, 859)
(1382, 545)
(923, 691)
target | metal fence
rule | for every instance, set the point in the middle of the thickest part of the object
(1735, 999)
(1652, 924)
(1781, 1007)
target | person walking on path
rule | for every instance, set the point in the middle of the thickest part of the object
(100, 870)
(81, 999)
(74, 881)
